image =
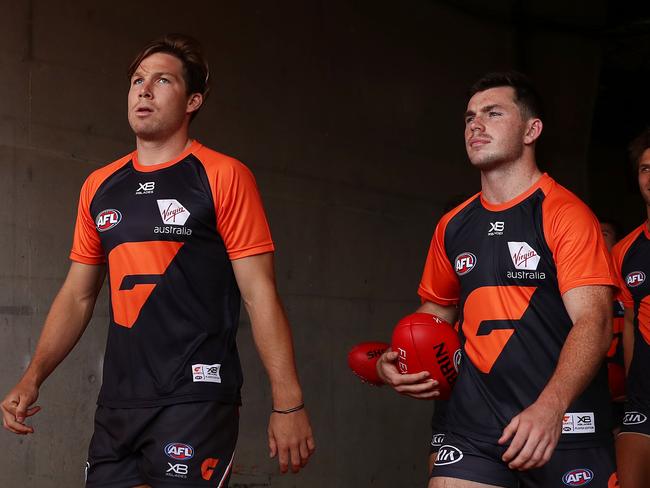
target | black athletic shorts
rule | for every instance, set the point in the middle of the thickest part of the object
(473, 460)
(184, 445)
(635, 419)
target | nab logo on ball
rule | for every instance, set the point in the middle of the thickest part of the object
(179, 451)
(107, 219)
(635, 278)
(448, 455)
(578, 477)
(465, 263)
(634, 418)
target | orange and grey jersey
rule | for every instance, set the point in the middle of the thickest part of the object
(632, 262)
(506, 267)
(167, 234)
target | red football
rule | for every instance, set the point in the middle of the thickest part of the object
(362, 360)
(425, 342)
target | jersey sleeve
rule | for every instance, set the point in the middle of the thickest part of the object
(578, 247)
(86, 245)
(241, 220)
(439, 282)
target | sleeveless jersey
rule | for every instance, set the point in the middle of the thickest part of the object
(632, 262)
(506, 268)
(167, 234)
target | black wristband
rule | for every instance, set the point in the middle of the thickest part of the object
(289, 410)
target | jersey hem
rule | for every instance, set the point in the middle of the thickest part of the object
(225, 397)
(425, 295)
(85, 259)
(563, 444)
(251, 251)
(596, 281)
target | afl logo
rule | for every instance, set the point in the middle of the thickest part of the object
(578, 477)
(107, 219)
(465, 263)
(635, 278)
(179, 451)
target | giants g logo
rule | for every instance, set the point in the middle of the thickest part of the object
(135, 270)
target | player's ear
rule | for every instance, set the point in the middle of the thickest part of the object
(534, 128)
(194, 102)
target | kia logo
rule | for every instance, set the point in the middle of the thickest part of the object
(448, 455)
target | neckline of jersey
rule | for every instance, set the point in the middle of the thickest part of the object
(193, 147)
(544, 182)
(646, 231)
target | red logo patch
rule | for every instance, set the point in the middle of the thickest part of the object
(465, 263)
(635, 278)
(207, 468)
(107, 219)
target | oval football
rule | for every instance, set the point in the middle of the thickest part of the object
(362, 360)
(425, 342)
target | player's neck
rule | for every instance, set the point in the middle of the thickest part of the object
(502, 184)
(151, 152)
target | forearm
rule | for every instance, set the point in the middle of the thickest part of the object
(65, 323)
(583, 352)
(272, 336)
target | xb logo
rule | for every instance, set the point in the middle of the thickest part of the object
(177, 468)
(496, 228)
(148, 186)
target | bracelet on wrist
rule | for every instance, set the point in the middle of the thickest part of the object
(288, 410)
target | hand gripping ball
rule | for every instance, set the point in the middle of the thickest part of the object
(362, 360)
(425, 342)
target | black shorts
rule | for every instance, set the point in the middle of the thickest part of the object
(181, 445)
(636, 419)
(473, 460)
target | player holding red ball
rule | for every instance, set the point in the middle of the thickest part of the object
(523, 267)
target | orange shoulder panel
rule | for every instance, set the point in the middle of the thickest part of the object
(439, 283)
(573, 235)
(241, 220)
(86, 246)
(618, 255)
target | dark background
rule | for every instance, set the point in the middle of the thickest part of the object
(349, 113)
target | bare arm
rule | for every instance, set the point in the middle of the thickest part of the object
(290, 435)
(417, 385)
(628, 338)
(537, 429)
(65, 323)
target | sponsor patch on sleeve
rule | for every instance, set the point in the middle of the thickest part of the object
(208, 373)
(578, 423)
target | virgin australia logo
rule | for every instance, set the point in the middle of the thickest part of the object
(523, 256)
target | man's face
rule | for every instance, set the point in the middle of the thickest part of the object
(644, 176)
(494, 128)
(158, 103)
(609, 234)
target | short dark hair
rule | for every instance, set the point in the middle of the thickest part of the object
(527, 97)
(188, 50)
(639, 145)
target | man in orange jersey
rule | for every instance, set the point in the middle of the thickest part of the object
(632, 262)
(181, 231)
(523, 267)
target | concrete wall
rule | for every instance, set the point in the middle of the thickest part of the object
(350, 115)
